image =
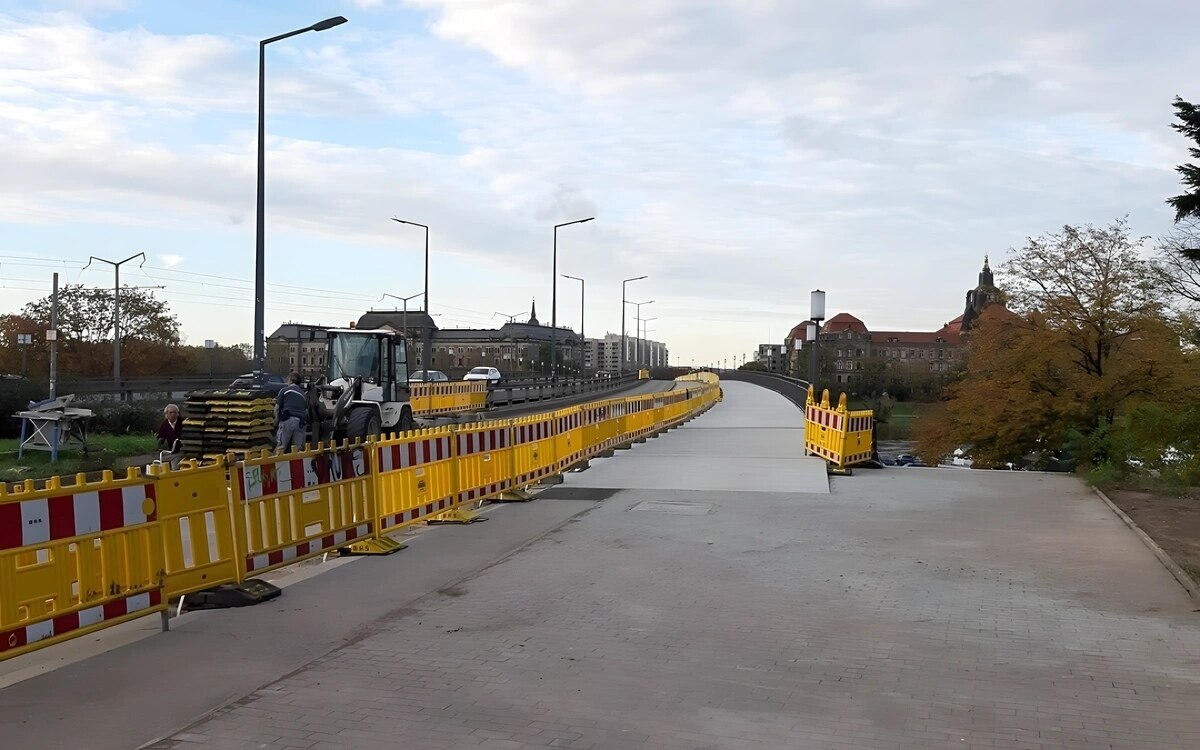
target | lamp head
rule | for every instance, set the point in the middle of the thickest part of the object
(328, 23)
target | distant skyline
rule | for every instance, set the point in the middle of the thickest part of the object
(740, 154)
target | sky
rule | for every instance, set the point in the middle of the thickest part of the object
(739, 153)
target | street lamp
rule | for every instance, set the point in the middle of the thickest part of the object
(621, 360)
(259, 256)
(646, 338)
(582, 294)
(425, 302)
(554, 299)
(637, 329)
(817, 310)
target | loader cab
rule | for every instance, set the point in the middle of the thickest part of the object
(378, 357)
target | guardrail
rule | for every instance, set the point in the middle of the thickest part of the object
(508, 393)
(76, 559)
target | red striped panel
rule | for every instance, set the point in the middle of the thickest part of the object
(62, 517)
(112, 509)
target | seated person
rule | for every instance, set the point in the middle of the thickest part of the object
(170, 433)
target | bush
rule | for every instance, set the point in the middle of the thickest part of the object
(120, 419)
(15, 395)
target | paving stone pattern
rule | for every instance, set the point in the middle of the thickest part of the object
(907, 609)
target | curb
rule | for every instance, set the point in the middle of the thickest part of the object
(1181, 575)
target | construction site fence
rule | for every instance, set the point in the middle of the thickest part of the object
(448, 397)
(79, 556)
(840, 436)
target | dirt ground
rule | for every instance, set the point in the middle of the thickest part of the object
(1173, 522)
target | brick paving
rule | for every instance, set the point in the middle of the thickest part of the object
(905, 609)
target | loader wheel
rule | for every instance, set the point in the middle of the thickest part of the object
(406, 421)
(363, 422)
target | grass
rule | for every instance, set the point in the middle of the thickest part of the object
(902, 420)
(104, 452)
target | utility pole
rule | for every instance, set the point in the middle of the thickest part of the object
(117, 309)
(52, 337)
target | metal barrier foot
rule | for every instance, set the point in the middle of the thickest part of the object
(550, 480)
(245, 594)
(458, 515)
(606, 454)
(840, 471)
(581, 466)
(512, 496)
(384, 545)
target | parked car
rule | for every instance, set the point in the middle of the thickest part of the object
(428, 376)
(490, 374)
(908, 459)
(264, 380)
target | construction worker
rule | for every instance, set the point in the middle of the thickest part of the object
(291, 415)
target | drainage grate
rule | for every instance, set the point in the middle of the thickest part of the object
(679, 508)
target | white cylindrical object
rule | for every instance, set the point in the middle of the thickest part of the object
(811, 331)
(817, 305)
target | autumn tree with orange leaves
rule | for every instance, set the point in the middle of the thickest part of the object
(1087, 341)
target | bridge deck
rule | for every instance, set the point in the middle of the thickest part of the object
(689, 602)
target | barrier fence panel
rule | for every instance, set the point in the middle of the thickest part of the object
(534, 450)
(448, 398)
(568, 437)
(840, 436)
(77, 559)
(415, 479)
(291, 506)
(484, 463)
(194, 509)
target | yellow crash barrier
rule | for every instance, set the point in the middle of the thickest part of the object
(416, 477)
(77, 559)
(292, 506)
(448, 398)
(197, 527)
(840, 436)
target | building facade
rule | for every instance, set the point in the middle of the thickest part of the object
(298, 347)
(771, 357)
(604, 354)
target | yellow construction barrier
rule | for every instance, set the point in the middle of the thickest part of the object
(838, 435)
(428, 399)
(643, 374)
(292, 506)
(416, 477)
(197, 527)
(77, 559)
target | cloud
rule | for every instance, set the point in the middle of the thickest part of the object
(170, 261)
(738, 153)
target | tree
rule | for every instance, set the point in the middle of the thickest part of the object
(85, 315)
(1188, 204)
(1178, 262)
(150, 337)
(753, 367)
(1090, 285)
(1090, 342)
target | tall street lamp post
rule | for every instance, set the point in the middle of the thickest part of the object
(637, 330)
(646, 338)
(554, 300)
(621, 359)
(259, 261)
(817, 310)
(426, 345)
(582, 294)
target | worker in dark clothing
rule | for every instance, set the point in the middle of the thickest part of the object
(291, 415)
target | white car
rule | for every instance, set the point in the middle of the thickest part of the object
(490, 374)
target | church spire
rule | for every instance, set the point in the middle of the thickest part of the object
(533, 321)
(985, 276)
